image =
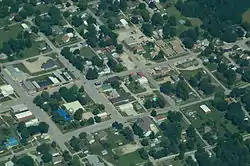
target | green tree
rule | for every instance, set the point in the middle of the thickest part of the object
(43, 127)
(78, 114)
(92, 74)
(47, 157)
(143, 154)
(147, 29)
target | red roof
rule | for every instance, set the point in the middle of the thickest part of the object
(140, 74)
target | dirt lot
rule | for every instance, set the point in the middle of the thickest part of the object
(129, 148)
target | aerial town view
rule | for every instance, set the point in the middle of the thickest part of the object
(124, 82)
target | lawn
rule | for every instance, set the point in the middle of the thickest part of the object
(11, 33)
(135, 87)
(87, 53)
(187, 74)
(130, 159)
(215, 119)
(196, 22)
(246, 16)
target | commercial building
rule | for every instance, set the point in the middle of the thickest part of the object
(72, 107)
(16, 74)
(7, 90)
(23, 115)
(19, 108)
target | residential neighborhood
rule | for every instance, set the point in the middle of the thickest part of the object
(124, 83)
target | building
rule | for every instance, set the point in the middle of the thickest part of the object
(16, 74)
(94, 160)
(26, 27)
(146, 125)
(90, 138)
(66, 38)
(42, 46)
(124, 22)
(11, 142)
(6, 90)
(56, 30)
(9, 163)
(19, 108)
(64, 114)
(143, 81)
(32, 122)
(54, 153)
(58, 75)
(128, 108)
(23, 116)
(54, 80)
(205, 108)
(102, 135)
(102, 115)
(57, 160)
(29, 86)
(72, 107)
(106, 87)
(49, 64)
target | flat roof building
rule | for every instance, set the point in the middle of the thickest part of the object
(16, 74)
(7, 90)
(19, 108)
(23, 115)
(205, 108)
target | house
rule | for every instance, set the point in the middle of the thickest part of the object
(66, 38)
(11, 142)
(19, 108)
(42, 46)
(128, 108)
(102, 115)
(143, 81)
(94, 160)
(7, 90)
(102, 135)
(57, 160)
(106, 87)
(26, 27)
(146, 125)
(72, 107)
(64, 114)
(54, 153)
(49, 64)
(56, 30)
(9, 163)
(90, 138)
(124, 22)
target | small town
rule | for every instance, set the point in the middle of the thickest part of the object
(124, 83)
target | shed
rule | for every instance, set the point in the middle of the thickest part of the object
(124, 22)
(205, 108)
(32, 122)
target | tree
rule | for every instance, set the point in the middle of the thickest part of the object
(25, 161)
(119, 49)
(172, 21)
(115, 84)
(147, 29)
(66, 156)
(167, 88)
(191, 132)
(143, 154)
(90, 121)
(153, 113)
(78, 114)
(53, 144)
(144, 142)
(76, 21)
(97, 119)
(182, 90)
(43, 148)
(157, 19)
(47, 157)
(82, 135)
(92, 74)
(34, 29)
(43, 127)
(137, 130)
(75, 162)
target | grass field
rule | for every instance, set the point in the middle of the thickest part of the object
(87, 53)
(246, 16)
(130, 159)
(11, 33)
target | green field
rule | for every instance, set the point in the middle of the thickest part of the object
(130, 159)
(87, 53)
(8, 34)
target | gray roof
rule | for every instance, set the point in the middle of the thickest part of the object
(17, 74)
(94, 160)
(144, 123)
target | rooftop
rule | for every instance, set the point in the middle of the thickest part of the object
(72, 107)
(64, 114)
